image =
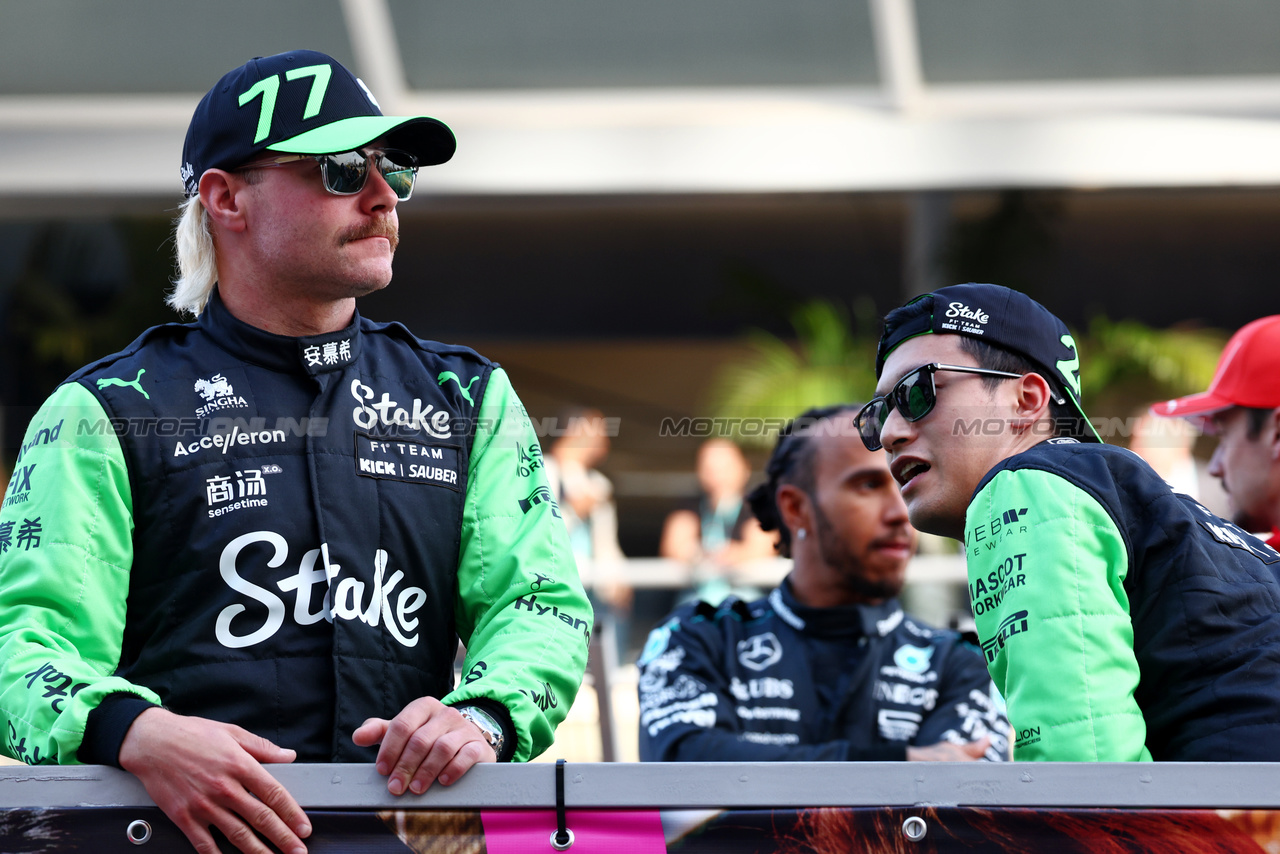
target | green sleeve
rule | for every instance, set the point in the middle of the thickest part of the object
(66, 547)
(521, 610)
(1046, 566)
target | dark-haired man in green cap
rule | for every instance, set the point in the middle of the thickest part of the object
(1120, 620)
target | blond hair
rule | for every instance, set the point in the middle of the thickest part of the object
(197, 262)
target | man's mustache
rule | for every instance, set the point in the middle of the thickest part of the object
(378, 228)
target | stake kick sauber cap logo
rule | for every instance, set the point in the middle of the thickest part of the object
(300, 102)
(1003, 317)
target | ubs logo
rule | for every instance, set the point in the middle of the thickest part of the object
(760, 651)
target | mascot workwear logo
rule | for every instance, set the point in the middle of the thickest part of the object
(389, 413)
(760, 651)
(465, 389)
(135, 383)
(344, 597)
(218, 394)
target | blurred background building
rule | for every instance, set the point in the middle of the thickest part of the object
(639, 185)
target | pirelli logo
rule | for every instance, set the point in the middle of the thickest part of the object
(1014, 624)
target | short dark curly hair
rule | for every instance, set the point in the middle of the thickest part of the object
(792, 462)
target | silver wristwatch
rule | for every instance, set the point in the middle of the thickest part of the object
(488, 726)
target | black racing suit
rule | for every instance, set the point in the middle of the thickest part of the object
(773, 680)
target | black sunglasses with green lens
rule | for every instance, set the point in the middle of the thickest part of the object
(345, 174)
(914, 396)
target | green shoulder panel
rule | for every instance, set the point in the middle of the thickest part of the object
(66, 548)
(521, 609)
(1046, 566)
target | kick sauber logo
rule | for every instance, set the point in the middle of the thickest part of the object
(218, 394)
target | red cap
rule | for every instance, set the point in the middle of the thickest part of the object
(1248, 375)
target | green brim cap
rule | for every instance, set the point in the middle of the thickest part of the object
(301, 102)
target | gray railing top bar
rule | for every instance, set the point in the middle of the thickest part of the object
(716, 786)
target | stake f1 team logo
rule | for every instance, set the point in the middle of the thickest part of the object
(760, 651)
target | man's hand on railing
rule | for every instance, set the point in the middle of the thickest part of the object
(426, 742)
(204, 773)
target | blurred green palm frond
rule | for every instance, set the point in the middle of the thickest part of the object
(832, 360)
(1126, 364)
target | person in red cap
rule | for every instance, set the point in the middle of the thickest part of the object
(1242, 408)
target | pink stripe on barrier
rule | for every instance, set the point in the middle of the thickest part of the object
(594, 831)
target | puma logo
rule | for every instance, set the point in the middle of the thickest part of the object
(134, 383)
(465, 389)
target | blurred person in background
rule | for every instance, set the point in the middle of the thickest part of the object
(1242, 408)
(718, 534)
(827, 666)
(1167, 445)
(586, 503)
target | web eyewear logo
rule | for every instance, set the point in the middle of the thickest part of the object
(760, 651)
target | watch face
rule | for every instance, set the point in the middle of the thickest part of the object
(487, 727)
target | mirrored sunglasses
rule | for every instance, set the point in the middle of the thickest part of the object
(345, 174)
(913, 396)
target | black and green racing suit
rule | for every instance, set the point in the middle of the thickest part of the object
(1122, 620)
(289, 534)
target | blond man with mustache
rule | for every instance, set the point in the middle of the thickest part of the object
(259, 536)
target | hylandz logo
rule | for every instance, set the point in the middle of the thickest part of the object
(959, 309)
(760, 651)
(218, 394)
